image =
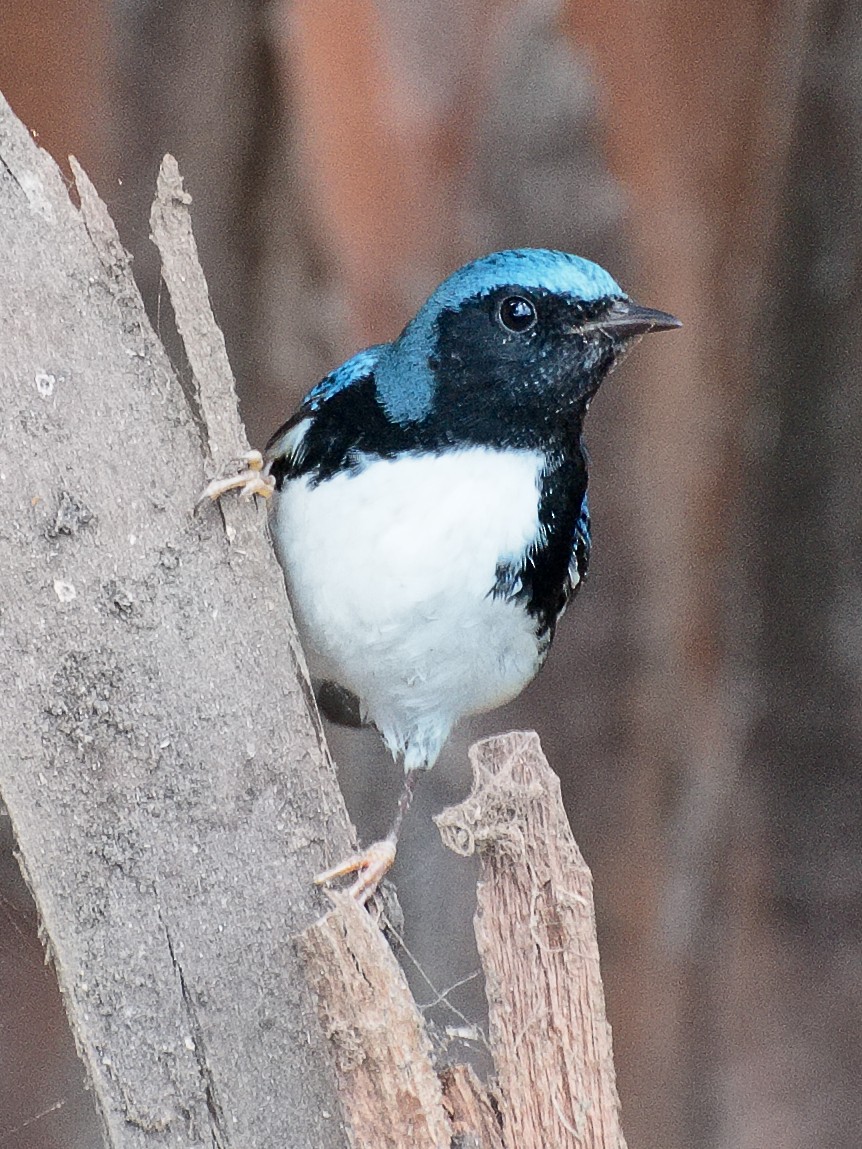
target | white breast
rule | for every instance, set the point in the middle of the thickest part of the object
(390, 572)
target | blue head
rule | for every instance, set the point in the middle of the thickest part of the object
(516, 339)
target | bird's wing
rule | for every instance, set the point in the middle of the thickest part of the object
(581, 543)
(350, 372)
(285, 451)
(286, 456)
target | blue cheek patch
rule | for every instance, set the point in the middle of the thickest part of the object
(405, 380)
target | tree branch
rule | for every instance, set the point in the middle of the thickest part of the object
(170, 221)
(536, 931)
(169, 789)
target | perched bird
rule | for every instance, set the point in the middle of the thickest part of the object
(430, 501)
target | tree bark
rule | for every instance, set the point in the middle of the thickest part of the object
(168, 783)
(170, 792)
(536, 929)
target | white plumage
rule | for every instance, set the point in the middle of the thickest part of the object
(390, 570)
(423, 583)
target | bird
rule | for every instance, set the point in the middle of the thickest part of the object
(429, 503)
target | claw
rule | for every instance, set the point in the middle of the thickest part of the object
(371, 865)
(250, 481)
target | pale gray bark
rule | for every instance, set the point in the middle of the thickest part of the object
(170, 793)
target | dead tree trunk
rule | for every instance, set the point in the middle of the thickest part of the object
(169, 785)
(170, 795)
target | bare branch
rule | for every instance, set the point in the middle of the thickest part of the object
(391, 1094)
(170, 220)
(536, 931)
(535, 927)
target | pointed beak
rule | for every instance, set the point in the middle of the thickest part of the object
(628, 318)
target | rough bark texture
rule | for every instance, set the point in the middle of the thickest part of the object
(474, 1116)
(391, 1094)
(169, 791)
(536, 930)
(535, 926)
(203, 341)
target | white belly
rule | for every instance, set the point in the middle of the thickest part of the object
(389, 572)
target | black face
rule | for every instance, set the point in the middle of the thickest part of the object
(509, 370)
(513, 369)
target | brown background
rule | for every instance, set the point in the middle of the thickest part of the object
(702, 705)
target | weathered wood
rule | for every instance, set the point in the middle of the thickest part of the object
(391, 1095)
(535, 927)
(170, 221)
(168, 787)
(475, 1120)
(212, 378)
(536, 931)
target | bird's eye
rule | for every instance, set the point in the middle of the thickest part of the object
(517, 314)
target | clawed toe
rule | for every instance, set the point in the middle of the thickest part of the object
(249, 481)
(371, 865)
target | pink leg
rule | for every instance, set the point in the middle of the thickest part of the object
(374, 863)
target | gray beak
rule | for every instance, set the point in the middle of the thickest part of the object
(626, 318)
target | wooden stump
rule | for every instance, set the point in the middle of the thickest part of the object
(535, 927)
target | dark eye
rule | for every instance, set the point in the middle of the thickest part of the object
(517, 314)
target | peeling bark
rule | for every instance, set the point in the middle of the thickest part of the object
(535, 927)
(391, 1094)
(550, 1040)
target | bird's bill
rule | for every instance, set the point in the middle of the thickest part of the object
(626, 318)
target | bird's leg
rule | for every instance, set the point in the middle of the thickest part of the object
(374, 863)
(251, 480)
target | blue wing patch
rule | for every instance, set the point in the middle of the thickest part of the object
(286, 449)
(359, 367)
(581, 544)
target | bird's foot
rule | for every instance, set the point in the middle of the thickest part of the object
(250, 480)
(371, 865)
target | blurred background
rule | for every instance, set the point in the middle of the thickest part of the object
(702, 704)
